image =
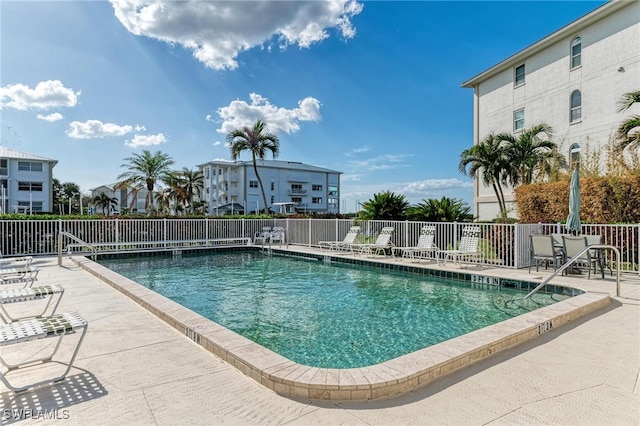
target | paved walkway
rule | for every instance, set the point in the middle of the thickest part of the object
(133, 369)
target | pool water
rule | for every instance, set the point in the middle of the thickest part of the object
(330, 316)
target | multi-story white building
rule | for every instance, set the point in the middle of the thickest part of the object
(286, 183)
(127, 198)
(26, 182)
(571, 80)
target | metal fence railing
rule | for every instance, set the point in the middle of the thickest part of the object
(505, 245)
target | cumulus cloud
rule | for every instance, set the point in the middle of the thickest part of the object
(434, 186)
(47, 94)
(279, 120)
(217, 31)
(217, 143)
(92, 129)
(146, 140)
(56, 116)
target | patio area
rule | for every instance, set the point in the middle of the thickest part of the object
(133, 368)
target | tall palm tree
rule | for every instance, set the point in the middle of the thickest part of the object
(70, 191)
(104, 201)
(527, 152)
(132, 189)
(146, 169)
(192, 184)
(628, 133)
(487, 161)
(257, 140)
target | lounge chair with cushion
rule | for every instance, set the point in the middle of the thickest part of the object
(16, 295)
(349, 239)
(425, 246)
(56, 326)
(467, 248)
(382, 243)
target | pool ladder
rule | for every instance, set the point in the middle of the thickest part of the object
(570, 262)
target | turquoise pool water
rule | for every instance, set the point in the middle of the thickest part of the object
(322, 315)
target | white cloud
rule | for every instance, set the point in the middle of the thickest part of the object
(146, 140)
(91, 129)
(357, 151)
(216, 32)
(381, 162)
(208, 117)
(239, 114)
(56, 116)
(46, 94)
(432, 186)
(217, 143)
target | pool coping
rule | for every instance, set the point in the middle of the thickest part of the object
(388, 379)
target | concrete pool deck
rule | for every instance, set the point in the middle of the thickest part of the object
(135, 369)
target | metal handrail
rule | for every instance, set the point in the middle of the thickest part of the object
(74, 238)
(573, 260)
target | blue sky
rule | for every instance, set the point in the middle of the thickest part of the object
(371, 89)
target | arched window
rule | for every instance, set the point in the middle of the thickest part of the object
(575, 113)
(574, 156)
(576, 52)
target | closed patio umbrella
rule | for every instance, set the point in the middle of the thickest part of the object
(573, 220)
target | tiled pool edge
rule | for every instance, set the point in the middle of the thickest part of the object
(388, 379)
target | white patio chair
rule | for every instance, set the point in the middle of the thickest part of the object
(17, 295)
(382, 243)
(262, 237)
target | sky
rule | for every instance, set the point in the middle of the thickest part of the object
(371, 89)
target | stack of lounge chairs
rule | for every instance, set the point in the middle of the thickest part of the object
(27, 320)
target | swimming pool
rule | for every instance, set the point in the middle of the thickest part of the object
(329, 316)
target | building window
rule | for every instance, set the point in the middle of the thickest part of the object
(296, 188)
(333, 202)
(574, 156)
(519, 75)
(316, 200)
(518, 119)
(26, 206)
(297, 200)
(253, 184)
(30, 186)
(333, 191)
(4, 170)
(316, 187)
(273, 199)
(273, 186)
(576, 52)
(576, 106)
(29, 166)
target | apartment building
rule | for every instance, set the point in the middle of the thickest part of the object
(289, 186)
(26, 182)
(571, 80)
(128, 198)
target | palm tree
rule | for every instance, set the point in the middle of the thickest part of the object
(132, 190)
(146, 169)
(443, 210)
(527, 152)
(70, 191)
(385, 205)
(257, 141)
(487, 160)
(104, 201)
(192, 184)
(628, 133)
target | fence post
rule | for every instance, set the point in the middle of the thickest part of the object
(309, 222)
(516, 246)
(164, 232)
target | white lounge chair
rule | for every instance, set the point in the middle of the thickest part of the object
(56, 326)
(467, 248)
(17, 295)
(15, 262)
(25, 275)
(382, 243)
(423, 248)
(349, 239)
